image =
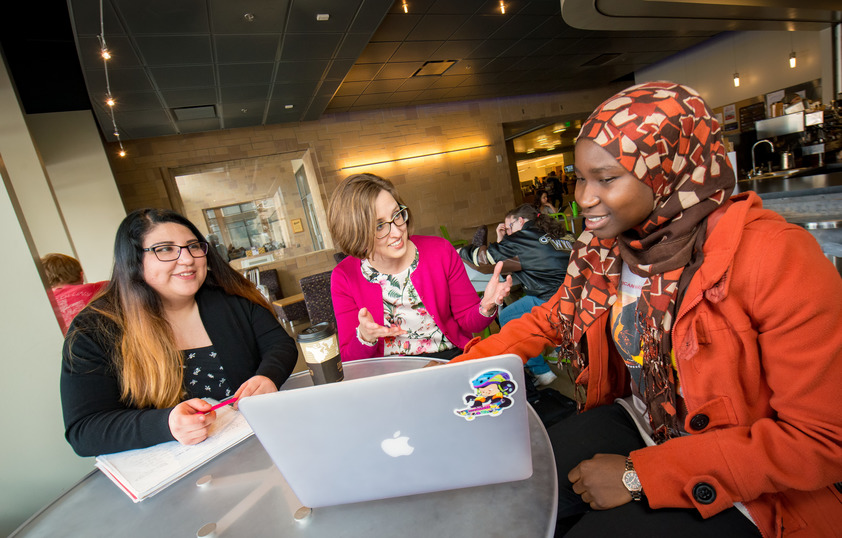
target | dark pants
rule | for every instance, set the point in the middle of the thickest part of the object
(610, 430)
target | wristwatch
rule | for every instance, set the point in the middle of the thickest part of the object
(632, 482)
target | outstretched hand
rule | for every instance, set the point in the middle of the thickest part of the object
(599, 481)
(370, 330)
(496, 290)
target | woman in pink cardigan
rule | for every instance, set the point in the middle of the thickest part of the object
(397, 294)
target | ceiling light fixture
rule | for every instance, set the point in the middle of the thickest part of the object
(109, 100)
(248, 17)
(405, 7)
(288, 106)
(791, 52)
(736, 73)
(322, 17)
(502, 7)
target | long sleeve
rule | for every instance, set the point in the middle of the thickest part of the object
(96, 420)
(464, 301)
(349, 295)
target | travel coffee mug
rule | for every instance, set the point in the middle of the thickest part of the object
(321, 353)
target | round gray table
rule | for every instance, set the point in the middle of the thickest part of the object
(248, 497)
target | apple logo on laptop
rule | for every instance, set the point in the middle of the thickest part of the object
(397, 446)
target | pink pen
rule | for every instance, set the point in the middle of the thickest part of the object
(226, 401)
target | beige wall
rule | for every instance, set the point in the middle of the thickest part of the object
(460, 189)
(37, 463)
(71, 149)
(761, 58)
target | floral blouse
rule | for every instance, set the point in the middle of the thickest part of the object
(204, 375)
(403, 308)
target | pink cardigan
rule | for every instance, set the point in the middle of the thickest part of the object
(441, 282)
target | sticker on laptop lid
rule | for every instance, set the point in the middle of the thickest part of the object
(492, 389)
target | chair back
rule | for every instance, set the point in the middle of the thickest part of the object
(480, 238)
(316, 290)
(269, 278)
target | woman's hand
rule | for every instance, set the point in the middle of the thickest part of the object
(501, 231)
(495, 290)
(599, 481)
(370, 331)
(186, 423)
(259, 384)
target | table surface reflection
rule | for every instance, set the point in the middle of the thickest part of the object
(247, 496)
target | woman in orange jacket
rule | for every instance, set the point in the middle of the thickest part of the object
(706, 331)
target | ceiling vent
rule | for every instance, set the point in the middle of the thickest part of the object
(195, 112)
(602, 59)
(432, 69)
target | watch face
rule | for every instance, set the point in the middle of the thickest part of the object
(631, 481)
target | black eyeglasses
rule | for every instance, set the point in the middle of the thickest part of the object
(170, 253)
(398, 219)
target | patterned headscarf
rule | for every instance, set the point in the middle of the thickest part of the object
(666, 136)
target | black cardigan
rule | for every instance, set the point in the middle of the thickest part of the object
(247, 337)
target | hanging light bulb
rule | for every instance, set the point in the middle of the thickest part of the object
(502, 7)
(105, 54)
(110, 100)
(736, 80)
(405, 7)
(122, 152)
(792, 60)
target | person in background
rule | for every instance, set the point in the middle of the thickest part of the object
(67, 284)
(542, 203)
(396, 293)
(213, 239)
(175, 324)
(706, 330)
(554, 191)
(535, 250)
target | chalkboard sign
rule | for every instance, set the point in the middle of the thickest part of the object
(750, 114)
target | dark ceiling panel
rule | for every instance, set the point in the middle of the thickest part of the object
(436, 27)
(383, 86)
(363, 72)
(268, 16)
(164, 16)
(479, 26)
(415, 51)
(236, 74)
(377, 52)
(191, 97)
(310, 47)
(398, 70)
(190, 76)
(246, 48)
(175, 50)
(352, 46)
(396, 26)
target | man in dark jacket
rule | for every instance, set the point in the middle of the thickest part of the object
(535, 250)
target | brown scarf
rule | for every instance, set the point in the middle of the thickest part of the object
(667, 137)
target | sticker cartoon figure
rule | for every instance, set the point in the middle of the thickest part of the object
(492, 389)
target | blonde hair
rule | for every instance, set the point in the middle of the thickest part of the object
(61, 269)
(149, 363)
(351, 217)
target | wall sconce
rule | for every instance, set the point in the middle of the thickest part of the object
(792, 60)
(736, 80)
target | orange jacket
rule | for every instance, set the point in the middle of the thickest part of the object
(759, 351)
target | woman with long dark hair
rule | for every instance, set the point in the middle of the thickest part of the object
(175, 324)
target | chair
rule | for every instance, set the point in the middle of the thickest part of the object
(455, 242)
(269, 278)
(316, 291)
(567, 223)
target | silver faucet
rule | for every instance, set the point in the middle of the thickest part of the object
(754, 171)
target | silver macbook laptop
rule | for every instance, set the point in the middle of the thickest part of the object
(418, 431)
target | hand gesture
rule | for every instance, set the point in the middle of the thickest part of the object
(186, 423)
(495, 290)
(599, 481)
(253, 386)
(501, 231)
(370, 331)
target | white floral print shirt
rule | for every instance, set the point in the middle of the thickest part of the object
(403, 308)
